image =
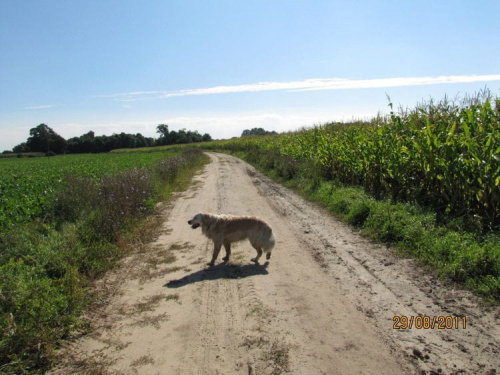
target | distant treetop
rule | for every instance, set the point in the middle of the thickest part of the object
(45, 139)
(256, 131)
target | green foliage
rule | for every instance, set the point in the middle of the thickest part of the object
(256, 131)
(28, 185)
(45, 139)
(444, 156)
(462, 256)
(89, 143)
(182, 136)
(41, 293)
(47, 263)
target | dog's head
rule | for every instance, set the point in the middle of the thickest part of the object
(196, 221)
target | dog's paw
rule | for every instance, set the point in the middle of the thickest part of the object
(268, 256)
(210, 264)
(255, 260)
(225, 259)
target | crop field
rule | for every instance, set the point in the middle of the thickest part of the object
(28, 185)
(444, 156)
(64, 221)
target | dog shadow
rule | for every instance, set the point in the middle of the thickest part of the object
(220, 271)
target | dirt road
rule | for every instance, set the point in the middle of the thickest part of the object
(323, 305)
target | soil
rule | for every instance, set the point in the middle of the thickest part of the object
(324, 304)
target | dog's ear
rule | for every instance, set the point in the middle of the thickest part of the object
(205, 219)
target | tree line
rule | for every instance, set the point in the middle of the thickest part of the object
(44, 139)
(256, 131)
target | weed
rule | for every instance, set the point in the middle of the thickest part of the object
(147, 304)
(173, 297)
(142, 361)
(255, 342)
(151, 320)
(278, 357)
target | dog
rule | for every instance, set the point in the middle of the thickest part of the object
(226, 229)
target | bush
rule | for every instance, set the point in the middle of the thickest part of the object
(121, 198)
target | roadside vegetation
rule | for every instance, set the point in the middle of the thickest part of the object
(64, 221)
(424, 180)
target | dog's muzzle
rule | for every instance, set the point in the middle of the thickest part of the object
(194, 226)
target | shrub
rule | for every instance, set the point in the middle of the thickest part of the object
(121, 198)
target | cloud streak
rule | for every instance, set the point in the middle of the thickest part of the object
(314, 84)
(40, 107)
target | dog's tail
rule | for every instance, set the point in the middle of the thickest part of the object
(269, 245)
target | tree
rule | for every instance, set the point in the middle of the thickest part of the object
(162, 129)
(140, 141)
(182, 136)
(256, 131)
(44, 139)
(21, 147)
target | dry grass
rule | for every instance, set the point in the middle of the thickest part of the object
(147, 304)
(278, 357)
(142, 361)
(181, 247)
(151, 320)
(255, 342)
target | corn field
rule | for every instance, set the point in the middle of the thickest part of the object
(441, 155)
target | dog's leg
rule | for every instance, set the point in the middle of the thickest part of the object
(227, 246)
(259, 254)
(217, 247)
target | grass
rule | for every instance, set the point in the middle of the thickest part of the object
(467, 257)
(47, 264)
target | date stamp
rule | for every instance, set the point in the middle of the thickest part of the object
(429, 322)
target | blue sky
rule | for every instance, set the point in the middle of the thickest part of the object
(224, 66)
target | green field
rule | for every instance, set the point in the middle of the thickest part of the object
(64, 221)
(28, 185)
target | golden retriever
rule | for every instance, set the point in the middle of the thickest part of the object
(225, 229)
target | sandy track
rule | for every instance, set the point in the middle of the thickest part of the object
(323, 305)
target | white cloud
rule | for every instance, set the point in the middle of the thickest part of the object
(312, 84)
(396, 82)
(47, 106)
